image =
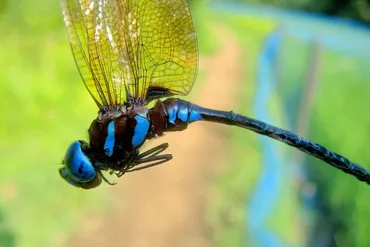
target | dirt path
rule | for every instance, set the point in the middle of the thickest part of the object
(164, 206)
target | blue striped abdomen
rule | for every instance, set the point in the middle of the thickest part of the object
(173, 115)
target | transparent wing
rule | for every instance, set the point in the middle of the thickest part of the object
(132, 48)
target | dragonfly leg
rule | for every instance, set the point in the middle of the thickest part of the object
(105, 179)
(118, 168)
(130, 160)
(150, 156)
(126, 164)
(154, 151)
(158, 158)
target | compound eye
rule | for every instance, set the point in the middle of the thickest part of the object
(77, 165)
(65, 174)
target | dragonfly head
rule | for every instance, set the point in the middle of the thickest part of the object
(78, 169)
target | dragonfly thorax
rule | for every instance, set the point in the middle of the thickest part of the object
(118, 131)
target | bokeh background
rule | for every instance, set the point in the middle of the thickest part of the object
(298, 64)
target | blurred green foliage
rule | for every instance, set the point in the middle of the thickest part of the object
(338, 121)
(353, 9)
(7, 235)
(346, 129)
(39, 90)
(236, 185)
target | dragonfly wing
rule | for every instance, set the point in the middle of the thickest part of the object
(132, 48)
(168, 52)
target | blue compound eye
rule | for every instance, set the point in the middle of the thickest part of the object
(78, 168)
(84, 185)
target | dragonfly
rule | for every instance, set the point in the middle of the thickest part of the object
(135, 53)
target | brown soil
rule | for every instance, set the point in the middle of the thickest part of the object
(164, 206)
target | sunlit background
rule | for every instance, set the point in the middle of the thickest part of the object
(296, 64)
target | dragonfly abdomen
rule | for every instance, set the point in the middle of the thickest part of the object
(287, 137)
(172, 115)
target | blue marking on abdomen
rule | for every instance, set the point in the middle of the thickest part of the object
(183, 115)
(172, 115)
(195, 116)
(109, 141)
(141, 130)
